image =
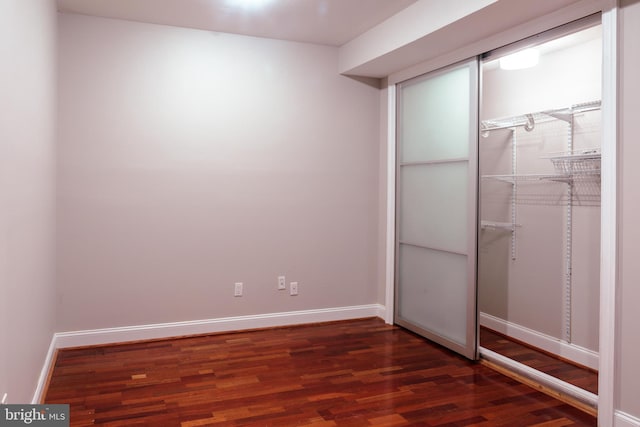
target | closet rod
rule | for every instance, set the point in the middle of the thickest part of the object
(565, 114)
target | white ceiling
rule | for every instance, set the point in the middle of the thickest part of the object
(328, 22)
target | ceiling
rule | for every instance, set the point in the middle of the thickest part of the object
(327, 22)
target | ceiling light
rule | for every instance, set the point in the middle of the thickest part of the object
(517, 61)
(249, 4)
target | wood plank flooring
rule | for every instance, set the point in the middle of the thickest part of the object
(582, 377)
(354, 373)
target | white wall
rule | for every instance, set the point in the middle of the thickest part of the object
(628, 348)
(190, 160)
(27, 135)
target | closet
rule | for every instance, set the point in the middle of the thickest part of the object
(539, 208)
(498, 207)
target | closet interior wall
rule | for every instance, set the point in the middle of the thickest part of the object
(523, 274)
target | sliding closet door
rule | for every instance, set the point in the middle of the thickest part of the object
(437, 206)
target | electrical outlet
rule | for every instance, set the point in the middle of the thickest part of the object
(237, 291)
(282, 283)
(293, 288)
(4, 399)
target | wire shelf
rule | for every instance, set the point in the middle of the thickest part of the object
(586, 162)
(498, 226)
(531, 178)
(569, 167)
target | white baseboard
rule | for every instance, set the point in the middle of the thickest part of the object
(47, 366)
(625, 420)
(545, 342)
(206, 326)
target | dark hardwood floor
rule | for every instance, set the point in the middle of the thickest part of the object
(354, 373)
(579, 376)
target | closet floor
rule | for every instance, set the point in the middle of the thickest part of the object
(579, 376)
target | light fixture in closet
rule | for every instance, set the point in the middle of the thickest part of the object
(520, 60)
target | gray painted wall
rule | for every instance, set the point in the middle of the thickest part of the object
(190, 160)
(27, 136)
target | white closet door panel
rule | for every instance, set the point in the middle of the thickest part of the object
(427, 111)
(435, 284)
(437, 206)
(434, 206)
